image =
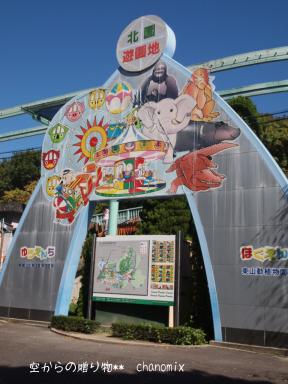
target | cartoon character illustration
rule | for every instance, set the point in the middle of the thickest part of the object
(96, 99)
(119, 98)
(51, 185)
(196, 170)
(50, 159)
(164, 119)
(159, 85)
(74, 111)
(71, 193)
(67, 176)
(57, 133)
(201, 89)
(128, 172)
(132, 119)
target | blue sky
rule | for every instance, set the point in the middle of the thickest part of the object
(55, 47)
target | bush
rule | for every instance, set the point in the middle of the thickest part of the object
(159, 334)
(72, 309)
(74, 324)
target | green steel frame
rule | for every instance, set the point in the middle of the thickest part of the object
(244, 59)
(231, 62)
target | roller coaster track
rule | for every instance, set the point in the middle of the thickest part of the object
(244, 59)
(226, 63)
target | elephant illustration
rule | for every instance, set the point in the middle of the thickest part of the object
(163, 120)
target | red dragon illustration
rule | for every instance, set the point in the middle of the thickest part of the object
(196, 170)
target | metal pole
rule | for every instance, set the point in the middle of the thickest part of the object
(113, 217)
(177, 277)
(90, 291)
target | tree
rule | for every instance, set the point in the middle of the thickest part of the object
(275, 138)
(272, 132)
(19, 195)
(19, 171)
(247, 110)
(82, 303)
(165, 217)
(168, 217)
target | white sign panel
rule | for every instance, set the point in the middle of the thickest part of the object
(142, 43)
(135, 269)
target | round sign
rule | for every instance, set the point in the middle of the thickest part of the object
(143, 42)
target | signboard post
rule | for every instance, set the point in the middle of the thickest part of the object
(113, 217)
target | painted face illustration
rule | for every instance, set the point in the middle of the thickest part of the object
(74, 111)
(50, 159)
(96, 99)
(57, 133)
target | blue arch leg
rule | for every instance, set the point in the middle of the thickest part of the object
(71, 263)
(207, 264)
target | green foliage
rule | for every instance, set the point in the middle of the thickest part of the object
(17, 174)
(165, 217)
(168, 217)
(159, 334)
(72, 309)
(19, 171)
(272, 132)
(82, 303)
(247, 110)
(74, 324)
(19, 195)
(201, 315)
(274, 135)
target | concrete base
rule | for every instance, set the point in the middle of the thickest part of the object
(251, 348)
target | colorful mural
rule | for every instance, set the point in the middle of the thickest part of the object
(154, 129)
(147, 133)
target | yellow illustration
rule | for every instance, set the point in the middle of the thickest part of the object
(96, 99)
(51, 184)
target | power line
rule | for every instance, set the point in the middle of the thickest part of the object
(12, 153)
(22, 150)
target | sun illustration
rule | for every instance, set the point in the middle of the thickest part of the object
(93, 139)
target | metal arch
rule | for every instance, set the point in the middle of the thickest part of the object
(24, 108)
(244, 59)
(256, 89)
(35, 131)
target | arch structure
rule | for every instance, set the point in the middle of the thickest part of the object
(154, 129)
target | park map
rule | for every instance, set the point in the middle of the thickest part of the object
(122, 268)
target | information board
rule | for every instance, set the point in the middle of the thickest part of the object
(135, 269)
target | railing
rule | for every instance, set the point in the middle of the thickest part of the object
(123, 215)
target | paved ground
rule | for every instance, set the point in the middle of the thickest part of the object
(22, 344)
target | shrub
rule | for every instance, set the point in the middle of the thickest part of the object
(159, 334)
(74, 324)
